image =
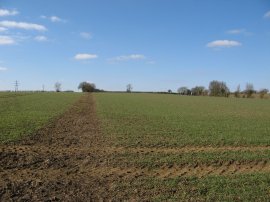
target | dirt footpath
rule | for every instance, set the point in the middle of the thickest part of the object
(56, 163)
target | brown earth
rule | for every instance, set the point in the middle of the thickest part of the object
(69, 160)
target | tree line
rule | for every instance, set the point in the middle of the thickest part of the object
(216, 88)
(220, 89)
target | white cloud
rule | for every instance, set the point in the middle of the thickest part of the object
(3, 29)
(236, 31)
(53, 18)
(22, 25)
(85, 56)
(41, 38)
(56, 19)
(223, 44)
(3, 69)
(128, 57)
(86, 35)
(4, 12)
(267, 15)
(6, 40)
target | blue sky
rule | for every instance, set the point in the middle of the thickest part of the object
(155, 45)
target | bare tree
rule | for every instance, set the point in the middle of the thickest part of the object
(218, 88)
(57, 86)
(249, 90)
(205, 92)
(198, 90)
(183, 90)
(129, 88)
(237, 92)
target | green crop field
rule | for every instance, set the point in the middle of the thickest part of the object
(189, 148)
(23, 113)
(169, 120)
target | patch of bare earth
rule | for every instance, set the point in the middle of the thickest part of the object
(69, 160)
(187, 170)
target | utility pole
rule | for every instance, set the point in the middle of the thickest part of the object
(16, 84)
(43, 88)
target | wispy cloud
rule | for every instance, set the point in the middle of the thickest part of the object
(3, 29)
(3, 69)
(127, 57)
(151, 62)
(5, 12)
(53, 18)
(86, 35)
(41, 38)
(22, 25)
(6, 40)
(223, 44)
(267, 15)
(85, 56)
(238, 32)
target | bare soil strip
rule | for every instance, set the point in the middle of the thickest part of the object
(226, 169)
(69, 160)
(187, 149)
(140, 150)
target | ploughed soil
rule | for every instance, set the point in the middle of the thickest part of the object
(70, 160)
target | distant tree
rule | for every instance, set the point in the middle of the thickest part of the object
(129, 88)
(263, 92)
(218, 88)
(237, 92)
(205, 92)
(198, 90)
(57, 86)
(169, 91)
(87, 87)
(183, 90)
(249, 90)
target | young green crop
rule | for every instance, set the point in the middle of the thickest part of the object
(23, 113)
(250, 187)
(146, 127)
(172, 120)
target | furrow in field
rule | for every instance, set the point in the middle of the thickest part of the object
(139, 150)
(184, 171)
(187, 149)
